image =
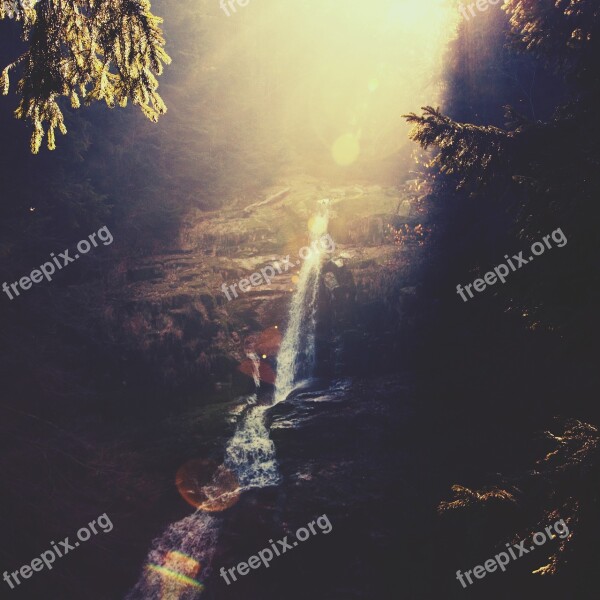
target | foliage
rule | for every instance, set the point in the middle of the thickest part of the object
(85, 50)
(540, 173)
(465, 150)
(465, 498)
(564, 34)
(562, 485)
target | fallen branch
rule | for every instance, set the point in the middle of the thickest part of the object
(278, 196)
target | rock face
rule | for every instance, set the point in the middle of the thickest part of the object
(172, 312)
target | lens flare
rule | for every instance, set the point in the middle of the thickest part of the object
(207, 487)
(265, 371)
(178, 577)
(268, 341)
(373, 85)
(177, 574)
(346, 150)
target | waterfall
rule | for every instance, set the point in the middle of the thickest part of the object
(296, 358)
(184, 552)
(250, 453)
(255, 368)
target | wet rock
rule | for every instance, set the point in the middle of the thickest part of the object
(145, 274)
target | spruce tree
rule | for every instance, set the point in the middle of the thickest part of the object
(544, 170)
(563, 35)
(86, 50)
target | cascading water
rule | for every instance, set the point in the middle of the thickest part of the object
(250, 454)
(255, 368)
(296, 358)
(182, 553)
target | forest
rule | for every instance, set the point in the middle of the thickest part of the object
(423, 383)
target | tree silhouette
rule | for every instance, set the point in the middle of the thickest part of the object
(563, 35)
(545, 170)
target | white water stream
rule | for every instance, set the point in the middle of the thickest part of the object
(250, 454)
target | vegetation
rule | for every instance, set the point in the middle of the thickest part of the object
(84, 50)
(544, 167)
(515, 156)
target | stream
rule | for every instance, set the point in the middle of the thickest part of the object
(182, 558)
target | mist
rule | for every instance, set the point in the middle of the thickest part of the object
(321, 86)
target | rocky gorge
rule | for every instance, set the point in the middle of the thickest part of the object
(160, 359)
(171, 311)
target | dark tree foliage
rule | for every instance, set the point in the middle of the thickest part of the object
(564, 34)
(516, 156)
(544, 169)
(470, 152)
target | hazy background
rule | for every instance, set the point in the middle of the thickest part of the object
(273, 85)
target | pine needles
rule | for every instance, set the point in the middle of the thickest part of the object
(85, 50)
